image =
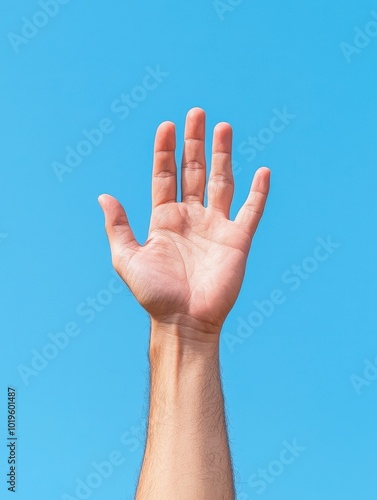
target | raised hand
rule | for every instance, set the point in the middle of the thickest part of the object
(190, 269)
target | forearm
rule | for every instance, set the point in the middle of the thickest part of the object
(187, 453)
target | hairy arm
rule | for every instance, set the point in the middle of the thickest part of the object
(187, 454)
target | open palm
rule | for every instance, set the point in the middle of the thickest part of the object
(192, 265)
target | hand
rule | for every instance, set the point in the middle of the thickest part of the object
(191, 268)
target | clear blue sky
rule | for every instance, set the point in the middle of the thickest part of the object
(294, 379)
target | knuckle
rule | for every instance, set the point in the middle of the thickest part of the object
(222, 178)
(254, 210)
(192, 165)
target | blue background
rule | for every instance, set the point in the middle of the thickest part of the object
(291, 378)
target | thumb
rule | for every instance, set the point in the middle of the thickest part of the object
(121, 237)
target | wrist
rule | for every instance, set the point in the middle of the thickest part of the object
(184, 335)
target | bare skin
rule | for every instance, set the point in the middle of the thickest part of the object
(187, 276)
